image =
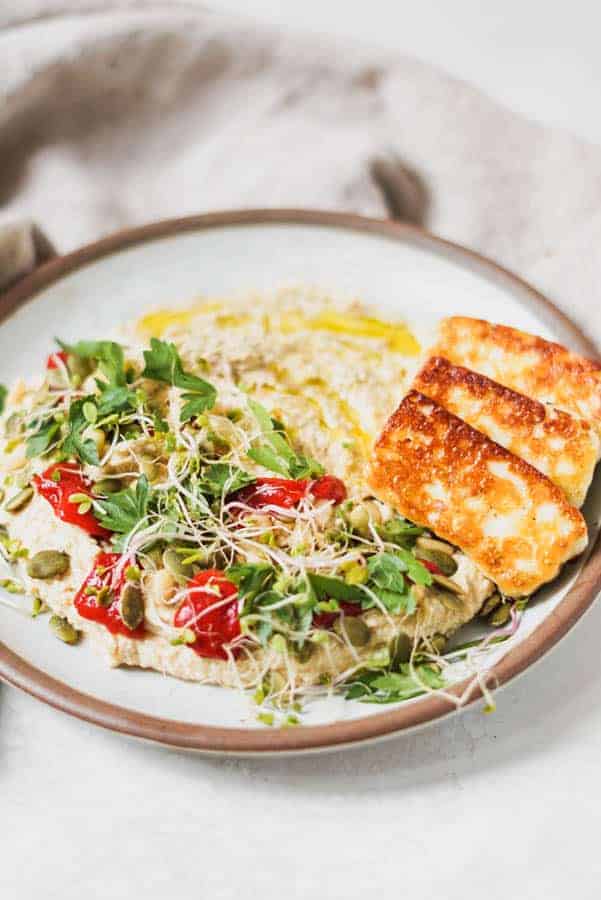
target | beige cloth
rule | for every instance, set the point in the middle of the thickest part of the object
(119, 113)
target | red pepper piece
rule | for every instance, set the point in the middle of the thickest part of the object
(54, 360)
(283, 492)
(216, 627)
(328, 487)
(103, 575)
(57, 484)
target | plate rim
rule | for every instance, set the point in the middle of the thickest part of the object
(256, 741)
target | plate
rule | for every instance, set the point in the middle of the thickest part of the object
(398, 271)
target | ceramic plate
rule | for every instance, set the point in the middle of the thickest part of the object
(398, 271)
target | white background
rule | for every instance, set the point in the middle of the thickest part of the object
(501, 806)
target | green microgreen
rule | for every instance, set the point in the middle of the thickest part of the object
(163, 363)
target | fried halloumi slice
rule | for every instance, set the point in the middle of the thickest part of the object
(562, 447)
(441, 473)
(531, 365)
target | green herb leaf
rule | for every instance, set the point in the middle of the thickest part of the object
(122, 511)
(327, 587)
(268, 458)
(74, 444)
(399, 531)
(39, 443)
(251, 581)
(3, 393)
(387, 581)
(108, 355)
(394, 687)
(385, 568)
(163, 363)
(221, 478)
(115, 400)
(277, 455)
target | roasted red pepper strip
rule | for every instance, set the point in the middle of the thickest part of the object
(217, 627)
(53, 360)
(328, 487)
(57, 484)
(283, 492)
(288, 492)
(103, 576)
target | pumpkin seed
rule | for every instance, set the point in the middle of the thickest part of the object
(149, 468)
(103, 596)
(13, 425)
(362, 515)
(449, 600)
(19, 501)
(501, 615)
(449, 585)
(434, 544)
(107, 486)
(172, 561)
(132, 605)
(64, 630)
(440, 558)
(491, 604)
(48, 564)
(400, 650)
(354, 629)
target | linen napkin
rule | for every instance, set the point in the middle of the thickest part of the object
(113, 114)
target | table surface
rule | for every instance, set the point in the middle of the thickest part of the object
(501, 805)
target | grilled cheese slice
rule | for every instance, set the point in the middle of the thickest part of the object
(531, 365)
(441, 473)
(562, 447)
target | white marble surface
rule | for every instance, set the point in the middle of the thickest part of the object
(494, 806)
(501, 806)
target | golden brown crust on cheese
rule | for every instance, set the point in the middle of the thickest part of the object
(562, 447)
(441, 473)
(528, 364)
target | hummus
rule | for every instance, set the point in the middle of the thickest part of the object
(299, 388)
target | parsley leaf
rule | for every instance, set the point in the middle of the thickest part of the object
(222, 478)
(108, 355)
(163, 363)
(39, 443)
(122, 511)
(387, 581)
(276, 454)
(74, 444)
(115, 400)
(3, 393)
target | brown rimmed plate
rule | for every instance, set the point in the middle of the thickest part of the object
(399, 271)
